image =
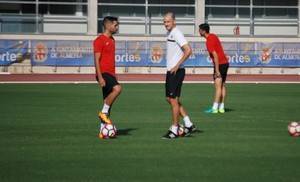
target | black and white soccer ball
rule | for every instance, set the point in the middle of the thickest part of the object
(108, 131)
(294, 129)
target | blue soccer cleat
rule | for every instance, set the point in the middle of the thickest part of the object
(212, 111)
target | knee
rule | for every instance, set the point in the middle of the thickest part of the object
(118, 88)
(218, 84)
(173, 102)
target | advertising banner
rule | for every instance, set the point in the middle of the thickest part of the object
(152, 53)
(13, 51)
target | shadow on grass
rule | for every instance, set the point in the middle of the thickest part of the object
(229, 110)
(125, 131)
(195, 133)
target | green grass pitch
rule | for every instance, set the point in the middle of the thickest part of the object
(48, 132)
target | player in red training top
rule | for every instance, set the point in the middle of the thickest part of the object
(104, 57)
(221, 65)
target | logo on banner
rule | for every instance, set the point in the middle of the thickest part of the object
(265, 56)
(136, 52)
(156, 54)
(132, 54)
(40, 52)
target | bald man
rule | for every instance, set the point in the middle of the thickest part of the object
(178, 51)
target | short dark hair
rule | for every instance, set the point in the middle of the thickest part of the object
(205, 27)
(109, 19)
(170, 13)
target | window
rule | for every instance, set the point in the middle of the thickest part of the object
(180, 12)
(275, 3)
(224, 16)
(227, 2)
(21, 16)
(71, 7)
(227, 9)
(132, 14)
(171, 2)
(262, 10)
(123, 1)
(119, 11)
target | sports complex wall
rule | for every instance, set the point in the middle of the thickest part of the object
(74, 54)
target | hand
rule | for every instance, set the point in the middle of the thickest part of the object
(174, 69)
(217, 74)
(102, 82)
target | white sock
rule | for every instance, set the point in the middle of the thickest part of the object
(215, 106)
(105, 108)
(174, 129)
(187, 122)
(221, 106)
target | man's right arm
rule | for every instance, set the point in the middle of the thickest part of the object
(216, 60)
(97, 57)
(211, 49)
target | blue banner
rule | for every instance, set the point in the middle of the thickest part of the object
(62, 53)
(279, 54)
(252, 54)
(152, 53)
(13, 51)
(131, 53)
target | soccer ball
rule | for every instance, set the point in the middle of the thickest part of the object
(294, 129)
(108, 131)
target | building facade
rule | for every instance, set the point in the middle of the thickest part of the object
(248, 18)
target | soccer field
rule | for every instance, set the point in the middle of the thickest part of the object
(48, 132)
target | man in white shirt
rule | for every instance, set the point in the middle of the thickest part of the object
(178, 51)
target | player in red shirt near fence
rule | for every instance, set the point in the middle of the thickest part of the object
(221, 65)
(104, 57)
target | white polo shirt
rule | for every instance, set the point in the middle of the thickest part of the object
(175, 40)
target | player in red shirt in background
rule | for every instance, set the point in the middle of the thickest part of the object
(221, 65)
(104, 57)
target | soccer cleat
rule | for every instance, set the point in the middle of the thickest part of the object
(189, 130)
(104, 118)
(211, 110)
(222, 111)
(170, 135)
(100, 136)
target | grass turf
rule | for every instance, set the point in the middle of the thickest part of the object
(48, 133)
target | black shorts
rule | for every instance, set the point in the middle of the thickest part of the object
(223, 71)
(110, 82)
(174, 83)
